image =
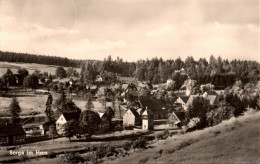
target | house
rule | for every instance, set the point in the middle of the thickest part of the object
(44, 128)
(105, 122)
(71, 82)
(182, 89)
(12, 134)
(213, 100)
(98, 79)
(182, 72)
(176, 118)
(127, 87)
(147, 119)
(131, 118)
(211, 92)
(157, 107)
(182, 100)
(64, 118)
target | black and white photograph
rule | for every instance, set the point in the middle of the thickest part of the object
(129, 81)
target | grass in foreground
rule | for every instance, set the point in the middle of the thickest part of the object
(235, 140)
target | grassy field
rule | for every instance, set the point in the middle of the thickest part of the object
(31, 67)
(28, 104)
(36, 103)
(232, 141)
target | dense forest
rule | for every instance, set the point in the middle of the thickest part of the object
(40, 59)
(220, 72)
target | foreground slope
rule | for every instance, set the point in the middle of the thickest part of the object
(235, 140)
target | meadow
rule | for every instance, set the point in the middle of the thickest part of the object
(31, 67)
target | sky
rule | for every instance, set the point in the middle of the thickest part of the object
(132, 29)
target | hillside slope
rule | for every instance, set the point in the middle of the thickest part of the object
(232, 141)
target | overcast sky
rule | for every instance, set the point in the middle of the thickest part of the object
(131, 29)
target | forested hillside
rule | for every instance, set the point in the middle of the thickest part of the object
(217, 71)
(40, 59)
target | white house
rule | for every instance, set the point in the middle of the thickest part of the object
(64, 118)
(182, 100)
(98, 78)
(131, 118)
(147, 120)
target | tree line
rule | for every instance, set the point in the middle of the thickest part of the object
(39, 59)
(220, 72)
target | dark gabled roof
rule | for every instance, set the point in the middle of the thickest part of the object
(11, 130)
(211, 93)
(135, 113)
(71, 116)
(180, 115)
(152, 104)
(184, 98)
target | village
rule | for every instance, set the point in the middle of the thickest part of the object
(139, 106)
(65, 110)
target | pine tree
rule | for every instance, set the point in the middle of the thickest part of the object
(89, 104)
(15, 109)
(48, 111)
(258, 102)
(60, 104)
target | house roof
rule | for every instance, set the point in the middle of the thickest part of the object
(11, 130)
(125, 86)
(184, 98)
(135, 113)
(152, 104)
(211, 92)
(180, 115)
(191, 98)
(71, 116)
(212, 99)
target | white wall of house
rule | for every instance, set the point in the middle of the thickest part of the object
(128, 119)
(61, 121)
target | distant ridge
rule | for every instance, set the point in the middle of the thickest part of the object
(39, 59)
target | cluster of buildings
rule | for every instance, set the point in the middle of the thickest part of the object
(147, 113)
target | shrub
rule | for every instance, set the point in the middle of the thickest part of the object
(91, 157)
(250, 111)
(107, 151)
(110, 151)
(193, 124)
(164, 135)
(73, 158)
(51, 155)
(101, 151)
(140, 143)
(216, 116)
(127, 145)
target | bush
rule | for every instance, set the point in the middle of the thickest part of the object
(164, 135)
(140, 143)
(216, 116)
(101, 151)
(127, 145)
(91, 157)
(193, 124)
(51, 155)
(106, 151)
(250, 111)
(73, 158)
